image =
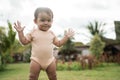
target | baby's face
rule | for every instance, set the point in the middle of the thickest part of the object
(44, 21)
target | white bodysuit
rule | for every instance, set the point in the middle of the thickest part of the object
(42, 47)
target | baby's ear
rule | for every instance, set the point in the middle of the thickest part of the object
(35, 21)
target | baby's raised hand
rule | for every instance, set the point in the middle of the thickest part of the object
(18, 27)
(70, 33)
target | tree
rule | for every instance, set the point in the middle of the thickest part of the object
(7, 40)
(4, 44)
(2, 36)
(67, 49)
(97, 31)
(96, 46)
(96, 27)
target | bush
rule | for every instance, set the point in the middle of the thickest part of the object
(96, 46)
(69, 66)
(27, 57)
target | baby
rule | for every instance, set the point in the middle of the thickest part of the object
(42, 40)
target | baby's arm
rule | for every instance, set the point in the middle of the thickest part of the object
(68, 34)
(20, 29)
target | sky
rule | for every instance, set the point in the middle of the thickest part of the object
(75, 14)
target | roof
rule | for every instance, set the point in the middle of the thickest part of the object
(110, 41)
(117, 47)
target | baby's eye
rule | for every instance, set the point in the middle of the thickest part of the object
(43, 20)
(49, 20)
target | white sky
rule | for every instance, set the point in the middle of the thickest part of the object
(75, 14)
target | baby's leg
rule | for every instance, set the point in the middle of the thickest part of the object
(34, 70)
(51, 71)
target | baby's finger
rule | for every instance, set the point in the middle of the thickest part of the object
(71, 30)
(19, 24)
(15, 25)
(23, 27)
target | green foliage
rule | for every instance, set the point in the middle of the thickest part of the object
(20, 71)
(27, 57)
(62, 66)
(75, 66)
(96, 46)
(69, 66)
(11, 34)
(78, 44)
(6, 45)
(96, 28)
(67, 48)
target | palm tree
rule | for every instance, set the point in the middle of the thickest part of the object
(97, 31)
(96, 28)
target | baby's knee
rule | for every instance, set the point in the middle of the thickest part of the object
(33, 77)
(52, 76)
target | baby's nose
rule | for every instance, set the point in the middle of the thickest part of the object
(46, 22)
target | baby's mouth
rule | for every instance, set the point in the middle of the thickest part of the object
(46, 26)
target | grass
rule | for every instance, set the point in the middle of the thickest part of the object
(20, 71)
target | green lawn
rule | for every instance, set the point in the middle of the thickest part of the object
(21, 71)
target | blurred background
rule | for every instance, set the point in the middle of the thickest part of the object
(95, 46)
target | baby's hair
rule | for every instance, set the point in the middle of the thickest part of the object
(43, 9)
